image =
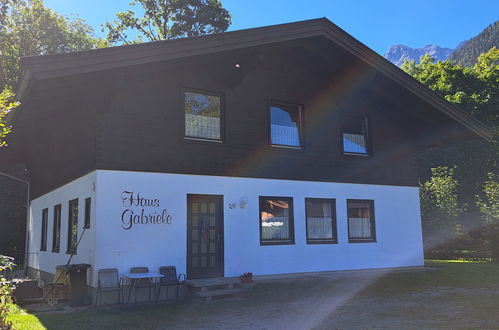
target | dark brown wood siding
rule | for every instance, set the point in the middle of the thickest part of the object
(131, 119)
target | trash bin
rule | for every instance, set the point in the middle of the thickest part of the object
(76, 277)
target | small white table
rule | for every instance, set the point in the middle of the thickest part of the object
(137, 276)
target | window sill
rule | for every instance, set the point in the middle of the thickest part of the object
(71, 252)
(322, 242)
(201, 140)
(353, 154)
(55, 251)
(362, 241)
(284, 147)
(86, 227)
(277, 243)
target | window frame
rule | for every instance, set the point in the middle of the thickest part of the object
(87, 217)
(334, 222)
(373, 238)
(301, 126)
(291, 239)
(221, 95)
(44, 229)
(366, 127)
(70, 225)
(56, 227)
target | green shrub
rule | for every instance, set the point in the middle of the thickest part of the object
(6, 265)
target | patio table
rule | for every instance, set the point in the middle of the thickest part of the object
(137, 276)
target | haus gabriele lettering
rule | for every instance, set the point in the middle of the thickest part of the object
(142, 211)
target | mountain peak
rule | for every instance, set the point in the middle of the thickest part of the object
(397, 53)
(465, 53)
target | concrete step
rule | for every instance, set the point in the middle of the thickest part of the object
(213, 282)
(217, 293)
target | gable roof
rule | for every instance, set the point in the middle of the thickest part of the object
(51, 66)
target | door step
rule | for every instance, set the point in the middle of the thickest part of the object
(217, 293)
(215, 287)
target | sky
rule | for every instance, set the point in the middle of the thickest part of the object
(377, 23)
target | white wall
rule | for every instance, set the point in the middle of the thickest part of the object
(46, 261)
(397, 214)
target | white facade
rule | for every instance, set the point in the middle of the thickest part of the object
(107, 244)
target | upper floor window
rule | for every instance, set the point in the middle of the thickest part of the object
(286, 125)
(361, 225)
(45, 218)
(321, 220)
(354, 129)
(73, 226)
(276, 220)
(203, 115)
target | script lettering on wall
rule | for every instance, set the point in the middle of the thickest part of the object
(142, 211)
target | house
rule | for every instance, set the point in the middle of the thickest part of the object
(282, 149)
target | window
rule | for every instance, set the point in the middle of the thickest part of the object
(321, 220)
(202, 116)
(56, 231)
(361, 221)
(285, 125)
(276, 220)
(73, 226)
(355, 135)
(86, 224)
(43, 241)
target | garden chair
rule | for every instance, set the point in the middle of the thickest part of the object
(170, 279)
(108, 281)
(142, 282)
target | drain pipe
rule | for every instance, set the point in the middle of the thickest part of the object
(28, 216)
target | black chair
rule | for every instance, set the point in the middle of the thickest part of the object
(108, 281)
(141, 283)
(170, 279)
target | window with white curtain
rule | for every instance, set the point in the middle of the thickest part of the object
(203, 115)
(361, 225)
(321, 220)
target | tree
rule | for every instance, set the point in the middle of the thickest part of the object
(168, 19)
(440, 207)
(6, 105)
(29, 28)
(475, 89)
(488, 202)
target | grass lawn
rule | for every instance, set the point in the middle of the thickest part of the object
(446, 295)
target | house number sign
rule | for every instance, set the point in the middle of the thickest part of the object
(142, 211)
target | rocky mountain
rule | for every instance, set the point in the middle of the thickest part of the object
(397, 53)
(465, 53)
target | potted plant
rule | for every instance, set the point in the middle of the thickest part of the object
(246, 277)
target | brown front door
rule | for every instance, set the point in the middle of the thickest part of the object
(204, 236)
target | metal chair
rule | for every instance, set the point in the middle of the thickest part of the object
(170, 279)
(108, 281)
(142, 282)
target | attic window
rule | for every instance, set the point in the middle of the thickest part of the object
(286, 125)
(202, 116)
(354, 128)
